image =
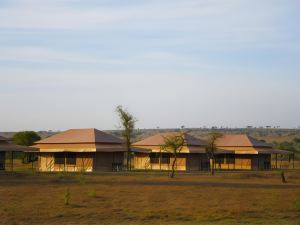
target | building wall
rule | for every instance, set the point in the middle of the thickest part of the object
(243, 161)
(197, 162)
(80, 161)
(46, 162)
(108, 161)
(191, 162)
(179, 165)
(141, 161)
(2, 160)
(68, 147)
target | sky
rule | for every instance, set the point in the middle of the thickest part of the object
(68, 63)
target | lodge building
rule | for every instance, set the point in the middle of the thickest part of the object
(240, 152)
(93, 150)
(79, 150)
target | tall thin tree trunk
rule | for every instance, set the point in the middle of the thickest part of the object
(173, 167)
(128, 158)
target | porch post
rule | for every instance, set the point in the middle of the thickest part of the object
(276, 160)
(65, 162)
(39, 161)
(188, 162)
(200, 163)
(160, 156)
(280, 161)
(12, 161)
(234, 161)
(32, 160)
(293, 160)
(227, 159)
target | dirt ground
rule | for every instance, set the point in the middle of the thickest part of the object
(150, 198)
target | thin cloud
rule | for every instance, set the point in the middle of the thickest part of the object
(47, 55)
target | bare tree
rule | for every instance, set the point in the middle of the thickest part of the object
(127, 122)
(211, 149)
(174, 145)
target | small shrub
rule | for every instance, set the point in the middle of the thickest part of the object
(60, 174)
(297, 202)
(282, 177)
(92, 193)
(67, 197)
(81, 179)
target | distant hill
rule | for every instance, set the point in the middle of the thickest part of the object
(276, 136)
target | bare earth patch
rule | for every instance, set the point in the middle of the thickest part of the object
(150, 198)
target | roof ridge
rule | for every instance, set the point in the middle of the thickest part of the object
(94, 134)
(86, 135)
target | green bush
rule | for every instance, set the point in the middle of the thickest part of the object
(26, 138)
(297, 202)
(67, 197)
(92, 193)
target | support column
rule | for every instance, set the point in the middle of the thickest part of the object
(32, 157)
(39, 161)
(293, 160)
(160, 156)
(276, 161)
(12, 161)
(227, 159)
(199, 163)
(65, 162)
(234, 161)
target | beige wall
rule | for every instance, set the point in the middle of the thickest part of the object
(184, 162)
(85, 161)
(46, 162)
(142, 161)
(198, 162)
(243, 162)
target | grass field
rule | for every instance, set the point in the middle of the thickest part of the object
(150, 198)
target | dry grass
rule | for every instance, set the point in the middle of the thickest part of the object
(150, 198)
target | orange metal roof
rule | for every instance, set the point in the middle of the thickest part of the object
(158, 139)
(74, 136)
(240, 140)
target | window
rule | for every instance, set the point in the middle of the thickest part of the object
(165, 159)
(59, 158)
(230, 159)
(71, 158)
(154, 158)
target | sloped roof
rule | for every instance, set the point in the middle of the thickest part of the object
(158, 139)
(3, 138)
(274, 151)
(240, 140)
(74, 136)
(6, 146)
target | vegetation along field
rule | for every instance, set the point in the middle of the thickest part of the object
(150, 198)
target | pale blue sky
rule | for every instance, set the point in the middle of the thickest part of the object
(69, 63)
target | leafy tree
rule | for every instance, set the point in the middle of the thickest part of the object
(174, 145)
(296, 140)
(289, 146)
(26, 138)
(211, 149)
(127, 121)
